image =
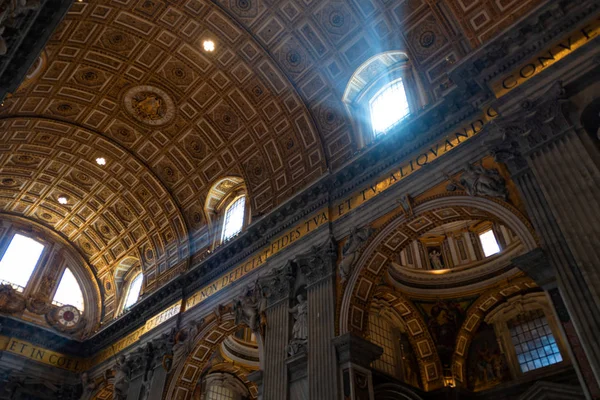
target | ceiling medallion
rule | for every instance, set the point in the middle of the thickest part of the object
(149, 104)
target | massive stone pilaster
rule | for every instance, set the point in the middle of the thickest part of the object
(318, 267)
(276, 286)
(560, 183)
(355, 356)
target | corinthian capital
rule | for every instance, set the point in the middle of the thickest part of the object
(319, 263)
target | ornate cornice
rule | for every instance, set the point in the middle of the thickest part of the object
(523, 40)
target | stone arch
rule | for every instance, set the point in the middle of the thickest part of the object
(393, 391)
(430, 366)
(476, 314)
(401, 230)
(182, 382)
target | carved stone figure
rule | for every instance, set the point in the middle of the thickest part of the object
(10, 300)
(350, 250)
(122, 377)
(9, 11)
(184, 342)
(300, 329)
(478, 181)
(250, 309)
(300, 312)
(88, 386)
(436, 261)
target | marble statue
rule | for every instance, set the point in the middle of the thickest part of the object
(478, 181)
(250, 309)
(300, 329)
(184, 341)
(122, 377)
(300, 312)
(350, 250)
(436, 261)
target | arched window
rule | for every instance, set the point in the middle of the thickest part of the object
(68, 291)
(234, 218)
(383, 92)
(389, 107)
(133, 293)
(19, 261)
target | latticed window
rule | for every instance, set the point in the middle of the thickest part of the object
(19, 261)
(380, 333)
(69, 291)
(133, 294)
(216, 392)
(534, 342)
(234, 218)
(388, 107)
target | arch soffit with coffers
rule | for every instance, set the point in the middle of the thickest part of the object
(182, 382)
(111, 209)
(430, 366)
(190, 115)
(399, 231)
(86, 277)
(476, 314)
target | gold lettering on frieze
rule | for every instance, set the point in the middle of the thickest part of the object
(304, 228)
(41, 355)
(414, 163)
(546, 58)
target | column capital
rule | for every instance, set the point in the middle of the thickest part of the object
(536, 122)
(357, 350)
(278, 283)
(319, 263)
(537, 266)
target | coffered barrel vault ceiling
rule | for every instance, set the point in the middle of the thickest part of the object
(129, 80)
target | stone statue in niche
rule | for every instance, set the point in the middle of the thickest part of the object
(250, 309)
(10, 10)
(300, 328)
(350, 250)
(478, 181)
(436, 259)
(122, 377)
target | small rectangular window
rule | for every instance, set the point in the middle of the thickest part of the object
(534, 342)
(19, 261)
(389, 107)
(234, 219)
(489, 243)
(133, 294)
